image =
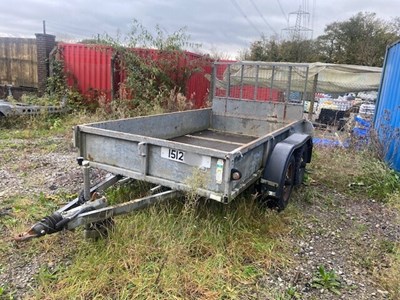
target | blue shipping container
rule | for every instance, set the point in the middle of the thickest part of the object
(387, 113)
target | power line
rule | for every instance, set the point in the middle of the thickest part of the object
(299, 31)
(70, 29)
(313, 18)
(262, 17)
(244, 15)
(283, 12)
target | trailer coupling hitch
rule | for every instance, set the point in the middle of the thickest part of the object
(50, 224)
(47, 225)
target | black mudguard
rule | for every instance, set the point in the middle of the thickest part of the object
(295, 144)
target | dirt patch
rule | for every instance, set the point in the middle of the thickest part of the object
(41, 166)
(30, 168)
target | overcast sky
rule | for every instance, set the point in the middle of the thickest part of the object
(223, 26)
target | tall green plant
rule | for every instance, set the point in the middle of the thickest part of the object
(56, 83)
(155, 64)
(57, 87)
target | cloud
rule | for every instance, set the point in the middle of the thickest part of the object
(209, 22)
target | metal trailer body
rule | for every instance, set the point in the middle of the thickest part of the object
(165, 149)
(236, 143)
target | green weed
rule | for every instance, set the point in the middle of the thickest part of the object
(293, 293)
(250, 272)
(124, 192)
(49, 274)
(379, 180)
(326, 280)
(5, 293)
(290, 293)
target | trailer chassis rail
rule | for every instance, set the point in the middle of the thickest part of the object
(82, 212)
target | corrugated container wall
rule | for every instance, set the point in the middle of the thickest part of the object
(387, 114)
(88, 68)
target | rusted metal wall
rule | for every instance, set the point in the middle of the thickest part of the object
(196, 89)
(198, 85)
(18, 62)
(178, 64)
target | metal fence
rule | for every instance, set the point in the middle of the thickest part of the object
(88, 68)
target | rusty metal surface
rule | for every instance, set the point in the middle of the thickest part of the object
(88, 67)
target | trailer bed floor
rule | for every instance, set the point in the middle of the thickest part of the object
(218, 140)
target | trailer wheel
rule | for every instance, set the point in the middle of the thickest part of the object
(288, 183)
(302, 165)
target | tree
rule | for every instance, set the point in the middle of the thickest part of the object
(298, 51)
(155, 67)
(264, 50)
(361, 40)
(289, 51)
(395, 26)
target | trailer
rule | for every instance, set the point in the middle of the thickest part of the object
(235, 144)
(9, 109)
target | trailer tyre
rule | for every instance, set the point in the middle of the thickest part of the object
(303, 157)
(287, 185)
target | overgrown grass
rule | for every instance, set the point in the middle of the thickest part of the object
(203, 250)
(42, 125)
(355, 173)
(389, 277)
(213, 252)
(361, 175)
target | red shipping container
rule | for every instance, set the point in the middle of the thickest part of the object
(89, 69)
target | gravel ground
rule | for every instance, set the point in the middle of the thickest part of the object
(345, 237)
(46, 166)
(340, 235)
(25, 171)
